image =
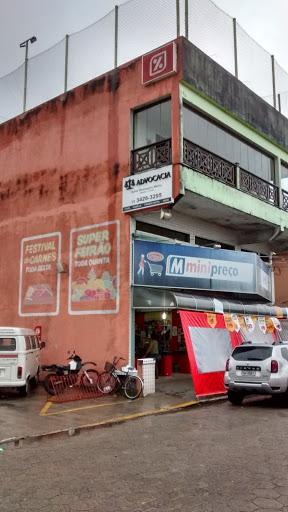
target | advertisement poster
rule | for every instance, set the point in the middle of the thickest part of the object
(39, 280)
(94, 269)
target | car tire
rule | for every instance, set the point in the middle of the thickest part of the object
(235, 397)
(35, 380)
(25, 390)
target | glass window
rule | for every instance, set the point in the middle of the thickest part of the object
(37, 342)
(152, 124)
(284, 176)
(27, 341)
(208, 135)
(245, 353)
(284, 352)
(7, 344)
(33, 342)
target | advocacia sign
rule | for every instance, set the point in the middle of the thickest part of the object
(148, 189)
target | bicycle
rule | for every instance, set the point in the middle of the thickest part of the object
(110, 379)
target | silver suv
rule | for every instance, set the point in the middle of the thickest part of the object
(257, 368)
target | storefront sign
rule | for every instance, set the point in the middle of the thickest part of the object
(39, 279)
(159, 63)
(148, 189)
(190, 267)
(94, 269)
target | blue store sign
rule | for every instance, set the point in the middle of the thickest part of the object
(181, 266)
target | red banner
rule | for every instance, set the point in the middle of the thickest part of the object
(208, 349)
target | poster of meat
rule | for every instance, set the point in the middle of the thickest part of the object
(39, 279)
(94, 269)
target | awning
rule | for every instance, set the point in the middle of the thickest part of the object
(155, 298)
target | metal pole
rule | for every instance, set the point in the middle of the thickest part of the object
(66, 62)
(25, 76)
(178, 17)
(273, 81)
(279, 103)
(235, 46)
(116, 38)
(186, 19)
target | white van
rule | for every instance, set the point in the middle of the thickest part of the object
(19, 359)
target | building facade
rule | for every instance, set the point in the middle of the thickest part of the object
(68, 236)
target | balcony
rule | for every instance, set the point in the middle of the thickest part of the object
(211, 165)
(151, 157)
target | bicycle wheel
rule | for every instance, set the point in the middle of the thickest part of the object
(133, 387)
(94, 384)
(106, 383)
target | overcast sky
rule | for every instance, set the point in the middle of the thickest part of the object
(49, 21)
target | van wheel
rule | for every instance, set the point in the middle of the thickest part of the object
(236, 398)
(35, 380)
(25, 390)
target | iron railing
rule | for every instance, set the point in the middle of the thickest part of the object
(284, 200)
(151, 157)
(208, 163)
(258, 187)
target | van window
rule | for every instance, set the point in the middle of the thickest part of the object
(37, 342)
(27, 341)
(244, 353)
(33, 342)
(7, 344)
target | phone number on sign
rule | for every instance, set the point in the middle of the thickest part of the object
(146, 198)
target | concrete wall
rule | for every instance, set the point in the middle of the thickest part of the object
(61, 168)
(210, 79)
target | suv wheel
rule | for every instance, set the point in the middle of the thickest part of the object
(236, 398)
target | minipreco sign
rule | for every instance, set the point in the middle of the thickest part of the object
(159, 63)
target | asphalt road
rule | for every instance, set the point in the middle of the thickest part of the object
(209, 458)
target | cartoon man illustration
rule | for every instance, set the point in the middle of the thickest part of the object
(141, 265)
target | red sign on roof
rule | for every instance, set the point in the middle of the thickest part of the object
(159, 63)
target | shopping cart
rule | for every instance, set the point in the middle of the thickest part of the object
(155, 269)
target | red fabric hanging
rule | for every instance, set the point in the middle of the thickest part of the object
(205, 383)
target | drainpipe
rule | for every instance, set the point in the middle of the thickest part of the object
(272, 279)
(275, 235)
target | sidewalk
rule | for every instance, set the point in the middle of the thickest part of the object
(34, 415)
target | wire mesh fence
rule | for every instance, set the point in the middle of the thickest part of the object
(132, 29)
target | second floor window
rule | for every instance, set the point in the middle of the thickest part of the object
(212, 137)
(284, 176)
(152, 124)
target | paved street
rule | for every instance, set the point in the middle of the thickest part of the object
(209, 458)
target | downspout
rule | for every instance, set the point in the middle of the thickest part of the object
(276, 233)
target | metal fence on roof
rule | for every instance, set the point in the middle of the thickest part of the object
(133, 29)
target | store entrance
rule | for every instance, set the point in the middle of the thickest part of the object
(159, 334)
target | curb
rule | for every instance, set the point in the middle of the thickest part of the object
(17, 442)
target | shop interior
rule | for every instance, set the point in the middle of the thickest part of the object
(167, 328)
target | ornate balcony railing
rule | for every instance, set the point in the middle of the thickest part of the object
(152, 156)
(285, 200)
(209, 164)
(258, 187)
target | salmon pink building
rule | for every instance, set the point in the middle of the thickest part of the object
(154, 189)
